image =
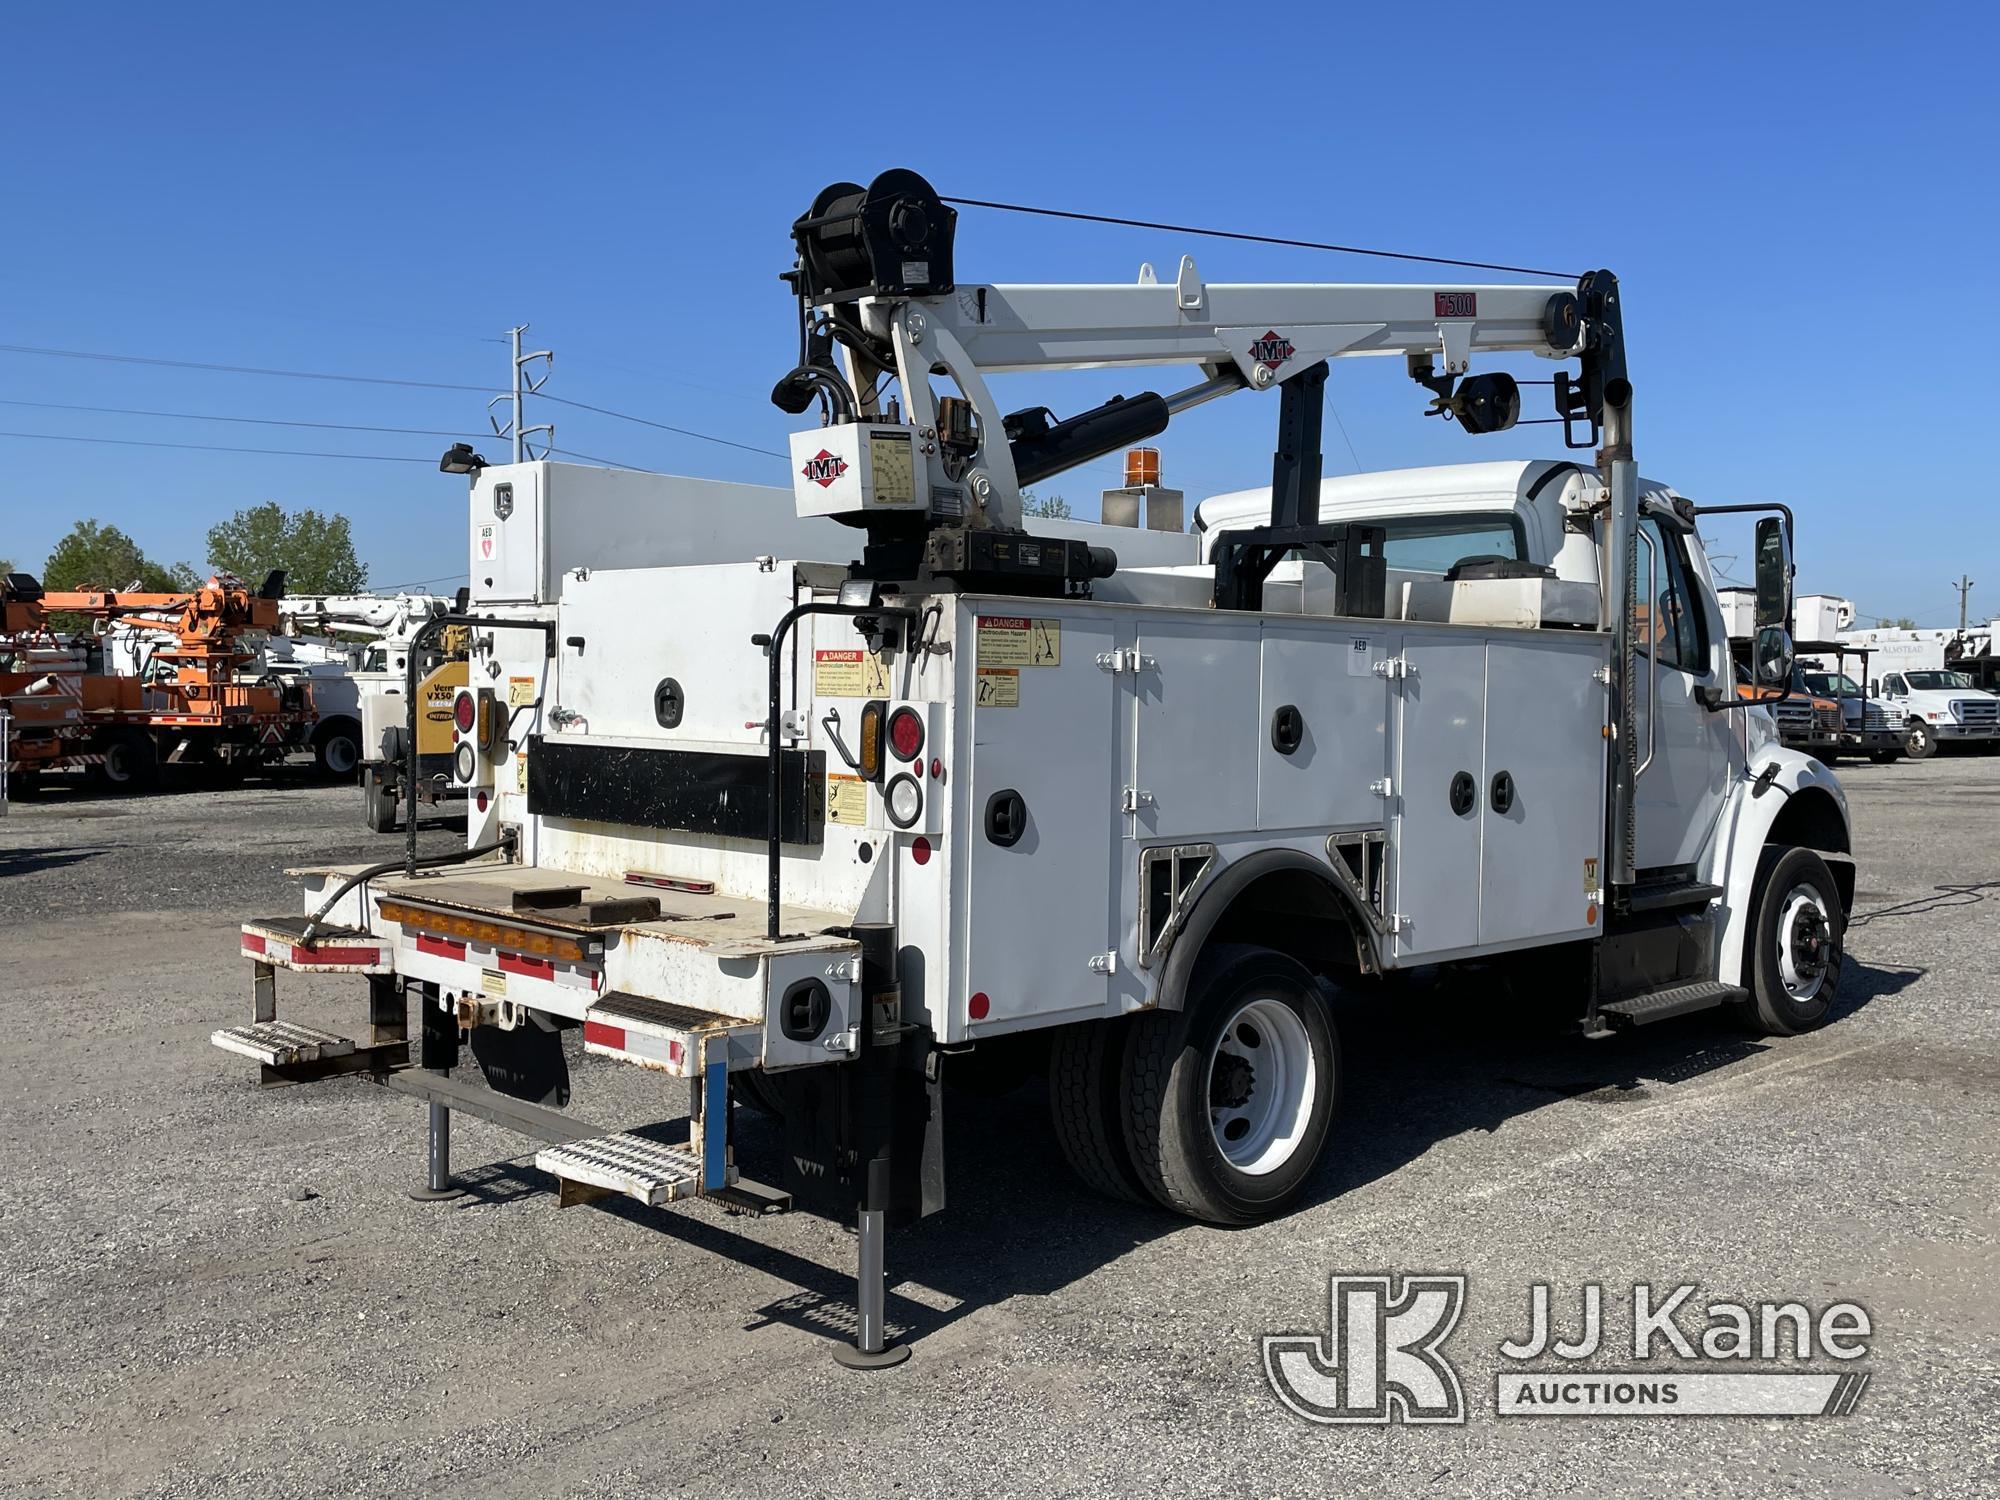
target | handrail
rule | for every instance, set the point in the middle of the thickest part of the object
(1652, 650)
(773, 648)
(421, 639)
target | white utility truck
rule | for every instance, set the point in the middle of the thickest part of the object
(828, 826)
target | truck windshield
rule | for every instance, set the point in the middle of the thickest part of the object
(1833, 684)
(1935, 682)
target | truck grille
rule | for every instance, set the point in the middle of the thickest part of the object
(1793, 714)
(1977, 713)
(1875, 716)
(1828, 718)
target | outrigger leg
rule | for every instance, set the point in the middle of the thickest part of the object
(439, 1055)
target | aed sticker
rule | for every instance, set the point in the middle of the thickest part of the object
(1018, 641)
(847, 800)
(999, 687)
(1360, 659)
(489, 542)
(520, 692)
(493, 984)
(849, 673)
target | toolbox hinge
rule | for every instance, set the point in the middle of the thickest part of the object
(1103, 963)
(1135, 798)
(1395, 668)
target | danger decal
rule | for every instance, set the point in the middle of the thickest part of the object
(999, 687)
(824, 468)
(846, 800)
(1272, 350)
(849, 674)
(1018, 641)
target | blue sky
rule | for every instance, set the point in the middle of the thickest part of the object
(1798, 200)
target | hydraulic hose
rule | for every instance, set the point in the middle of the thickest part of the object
(435, 861)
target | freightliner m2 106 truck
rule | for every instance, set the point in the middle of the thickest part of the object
(810, 831)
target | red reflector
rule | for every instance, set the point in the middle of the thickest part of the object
(536, 968)
(335, 955)
(978, 1006)
(906, 734)
(480, 802)
(252, 943)
(920, 849)
(464, 714)
(439, 947)
(604, 1036)
(937, 769)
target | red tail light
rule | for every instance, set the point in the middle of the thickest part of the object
(906, 734)
(464, 713)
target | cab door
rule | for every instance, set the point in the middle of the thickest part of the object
(1684, 750)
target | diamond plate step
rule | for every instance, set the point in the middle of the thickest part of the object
(628, 1164)
(281, 1044)
(1681, 1000)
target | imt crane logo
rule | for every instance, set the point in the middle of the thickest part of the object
(1272, 350)
(823, 468)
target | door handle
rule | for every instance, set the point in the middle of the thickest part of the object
(1501, 793)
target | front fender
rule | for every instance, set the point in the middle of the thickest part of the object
(1808, 798)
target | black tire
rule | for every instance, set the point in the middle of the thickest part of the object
(1884, 757)
(1086, 1107)
(1797, 930)
(1173, 1067)
(755, 1089)
(337, 749)
(379, 806)
(131, 762)
(21, 784)
(1919, 743)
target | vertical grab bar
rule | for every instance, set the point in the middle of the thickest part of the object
(1652, 649)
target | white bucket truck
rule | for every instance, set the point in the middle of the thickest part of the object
(819, 827)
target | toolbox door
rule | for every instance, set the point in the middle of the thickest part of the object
(1434, 843)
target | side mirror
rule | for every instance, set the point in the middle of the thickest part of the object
(1774, 574)
(1773, 656)
(1874, 688)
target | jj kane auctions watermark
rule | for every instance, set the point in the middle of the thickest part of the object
(1382, 1357)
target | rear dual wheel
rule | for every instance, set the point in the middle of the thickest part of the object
(1220, 1111)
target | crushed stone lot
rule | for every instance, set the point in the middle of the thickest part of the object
(213, 1290)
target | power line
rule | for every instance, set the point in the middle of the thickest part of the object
(196, 416)
(62, 437)
(190, 364)
(605, 411)
(1255, 239)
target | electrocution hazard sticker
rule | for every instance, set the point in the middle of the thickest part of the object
(849, 674)
(847, 800)
(1017, 641)
(520, 691)
(999, 687)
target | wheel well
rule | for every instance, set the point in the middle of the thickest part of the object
(1811, 819)
(326, 727)
(1278, 899)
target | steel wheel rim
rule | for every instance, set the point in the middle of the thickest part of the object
(1805, 943)
(342, 755)
(1263, 1082)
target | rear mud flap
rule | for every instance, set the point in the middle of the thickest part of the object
(525, 1063)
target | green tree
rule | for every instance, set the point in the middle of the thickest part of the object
(1904, 623)
(1054, 508)
(316, 551)
(95, 556)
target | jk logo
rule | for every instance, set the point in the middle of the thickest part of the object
(1379, 1361)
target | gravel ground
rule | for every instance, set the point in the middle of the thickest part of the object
(212, 1290)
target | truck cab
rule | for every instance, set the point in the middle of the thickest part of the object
(1869, 726)
(1943, 708)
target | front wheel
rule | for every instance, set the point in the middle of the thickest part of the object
(1797, 934)
(1884, 757)
(1920, 743)
(131, 762)
(1228, 1102)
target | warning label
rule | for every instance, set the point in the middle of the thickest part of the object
(999, 687)
(493, 984)
(1017, 641)
(847, 800)
(520, 691)
(849, 674)
(1590, 877)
